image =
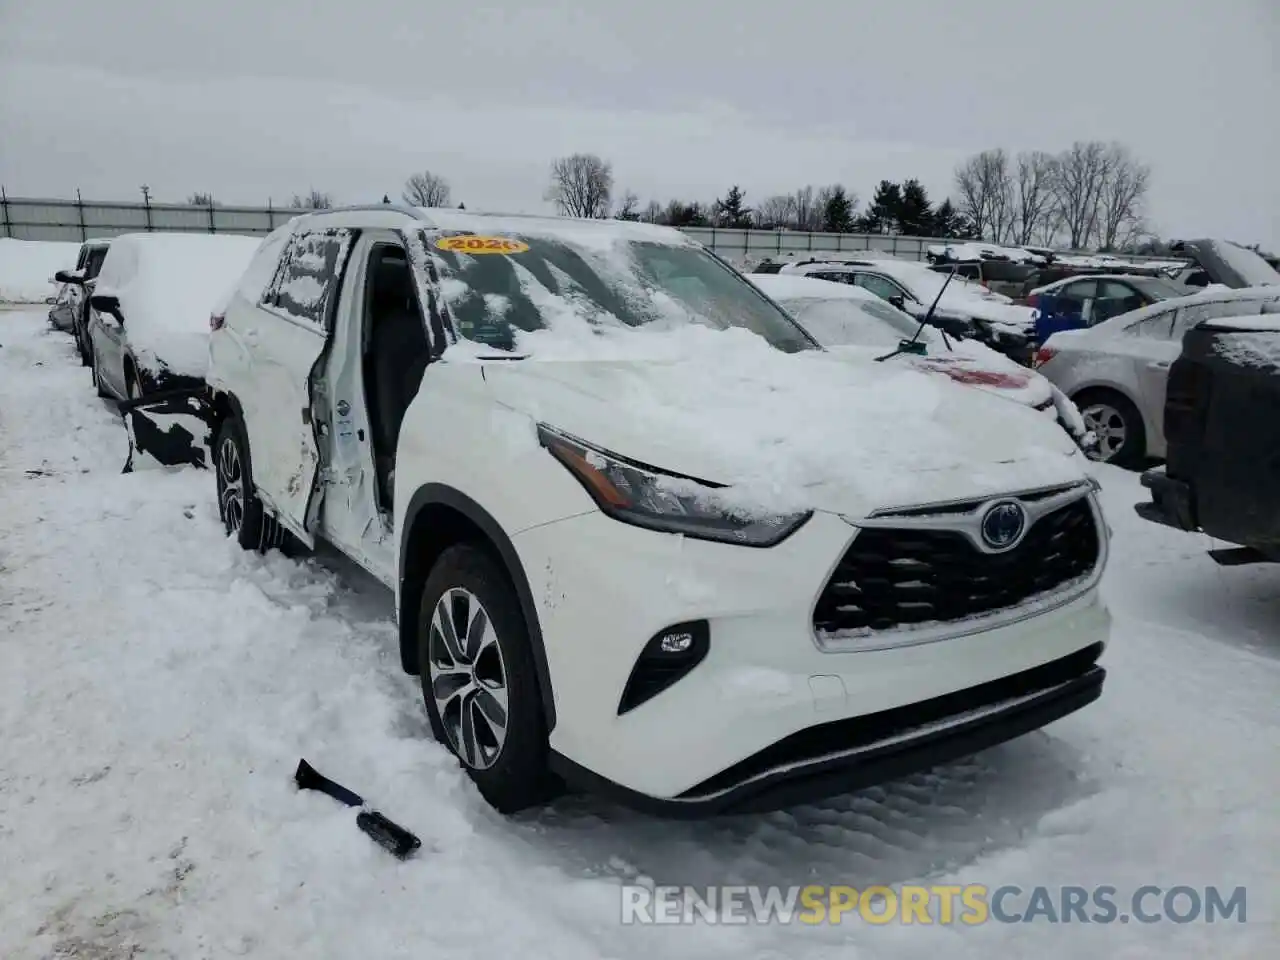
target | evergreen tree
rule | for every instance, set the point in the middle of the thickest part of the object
(950, 222)
(837, 213)
(730, 211)
(915, 213)
(885, 209)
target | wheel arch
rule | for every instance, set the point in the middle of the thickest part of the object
(226, 405)
(438, 517)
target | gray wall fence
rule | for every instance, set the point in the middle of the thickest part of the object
(75, 220)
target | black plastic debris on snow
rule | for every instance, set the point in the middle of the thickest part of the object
(382, 831)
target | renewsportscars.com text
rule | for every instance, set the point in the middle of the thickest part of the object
(969, 905)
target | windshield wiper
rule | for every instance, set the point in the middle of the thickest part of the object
(913, 346)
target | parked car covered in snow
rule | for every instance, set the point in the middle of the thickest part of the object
(1222, 429)
(149, 310)
(850, 318)
(1116, 372)
(643, 532)
(70, 310)
(967, 309)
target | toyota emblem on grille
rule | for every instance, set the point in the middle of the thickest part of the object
(1002, 524)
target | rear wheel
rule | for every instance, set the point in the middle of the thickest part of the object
(478, 679)
(242, 513)
(1117, 424)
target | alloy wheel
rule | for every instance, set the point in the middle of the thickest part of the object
(230, 486)
(1109, 425)
(468, 678)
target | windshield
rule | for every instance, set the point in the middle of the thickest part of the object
(856, 323)
(1158, 289)
(537, 283)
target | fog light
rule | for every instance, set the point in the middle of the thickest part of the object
(675, 642)
(665, 660)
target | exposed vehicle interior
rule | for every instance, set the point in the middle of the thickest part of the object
(396, 352)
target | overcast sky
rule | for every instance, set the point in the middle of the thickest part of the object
(251, 99)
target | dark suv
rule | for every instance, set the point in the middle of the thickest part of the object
(998, 276)
(1222, 425)
(73, 300)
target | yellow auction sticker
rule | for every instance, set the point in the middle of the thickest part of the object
(474, 244)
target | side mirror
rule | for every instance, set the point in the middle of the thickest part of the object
(50, 301)
(899, 301)
(108, 304)
(69, 276)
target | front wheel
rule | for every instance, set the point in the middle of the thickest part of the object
(242, 513)
(478, 679)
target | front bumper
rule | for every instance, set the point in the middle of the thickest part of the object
(1172, 501)
(603, 589)
(850, 754)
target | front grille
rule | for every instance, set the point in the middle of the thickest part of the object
(891, 578)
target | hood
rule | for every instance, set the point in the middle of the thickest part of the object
(974, 365)
(1231, 265)
(791, 432)
(1005, 314)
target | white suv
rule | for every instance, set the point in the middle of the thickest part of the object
(504, 419)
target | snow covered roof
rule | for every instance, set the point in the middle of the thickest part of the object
(571, 230)
(970, 252)
(791, 286)
(168, 284)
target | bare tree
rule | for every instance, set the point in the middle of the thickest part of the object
(1120, 205)
(652, 212)
(1033, 195)
(315, 200)
(629, 208)
(427, 189)
(776, 212)
(985, 191)
(198, 199)
(581, 185)
(807, 212)
(1083, 170)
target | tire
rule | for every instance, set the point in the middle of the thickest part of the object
(242, 513)
(508, 767)
(1122, 437)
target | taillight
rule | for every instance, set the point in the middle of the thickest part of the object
(216, 320)
(1044, 355)
(1033, 301)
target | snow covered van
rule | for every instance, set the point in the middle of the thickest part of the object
(645, 536)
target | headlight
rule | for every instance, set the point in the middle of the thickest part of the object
(645, 497)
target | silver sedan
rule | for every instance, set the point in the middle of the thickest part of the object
(1116, 372)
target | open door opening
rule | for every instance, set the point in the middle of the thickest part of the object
(395, 358)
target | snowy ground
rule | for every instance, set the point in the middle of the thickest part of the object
(158, 685)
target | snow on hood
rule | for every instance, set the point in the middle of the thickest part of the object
(861, 325)
(168, 285)
(810, 430)
(27, 268)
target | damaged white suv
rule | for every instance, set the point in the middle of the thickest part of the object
(645, 536)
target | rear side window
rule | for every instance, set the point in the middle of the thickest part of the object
(1157, 327)
(305, 285)
(93, 265)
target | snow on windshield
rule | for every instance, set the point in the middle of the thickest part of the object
(168, 285)
(841, 322)
(531, 293)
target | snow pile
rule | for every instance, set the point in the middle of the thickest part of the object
(168, 285)
(27, 268)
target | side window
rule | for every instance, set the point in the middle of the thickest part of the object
(1080, 290)
(305, 286)
(94, 264)
(837, 277)
(882, 288)
(1113, 289)
(83, 258)
(1158, 327)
